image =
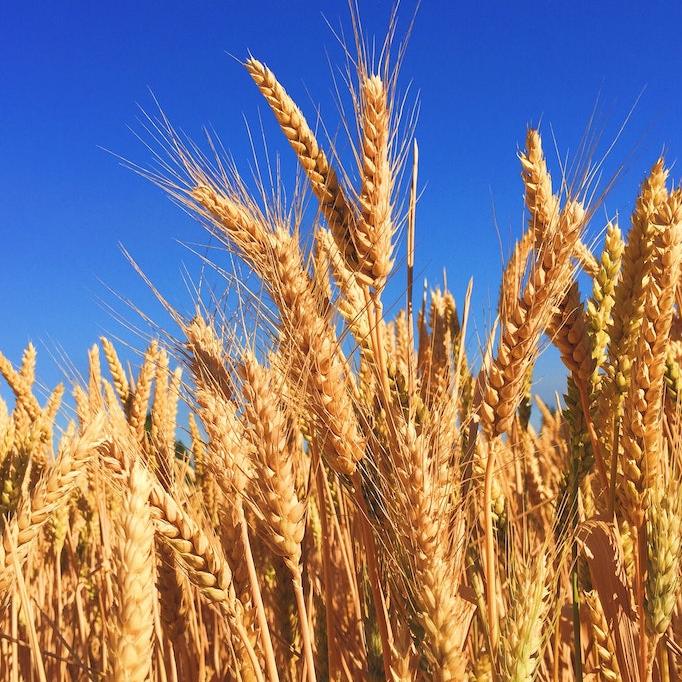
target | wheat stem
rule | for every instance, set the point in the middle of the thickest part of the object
(263, 627)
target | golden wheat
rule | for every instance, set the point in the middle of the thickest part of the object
(360, 496)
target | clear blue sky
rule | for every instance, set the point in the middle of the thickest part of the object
(71, 75)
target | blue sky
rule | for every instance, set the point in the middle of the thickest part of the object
(72, 75)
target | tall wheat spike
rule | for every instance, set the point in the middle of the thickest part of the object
(373, 232)
(323, 180)
(132, 647)
(642, 419)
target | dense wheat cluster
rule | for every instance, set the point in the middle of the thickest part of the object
(358, 496)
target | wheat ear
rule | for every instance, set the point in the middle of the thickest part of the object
(204, 563)
(664, 545)
(277, 501)
(600, 305)
(419, 516)
(207, 356)
(318, 363)
(20, 387)
(522, 324)
(132, 648)
(521, 638)
(373, 232)
(322, 177)
(540, 200)
(607, 664)
(628, 296)
(641, 423)
(568, 329)
(121, 383)
(27, 368)
(139, 398)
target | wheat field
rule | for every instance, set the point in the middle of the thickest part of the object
(357, 495)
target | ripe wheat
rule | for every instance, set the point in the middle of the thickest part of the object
(358, 495)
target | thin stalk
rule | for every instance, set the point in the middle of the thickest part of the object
(332, 647)
(161, 654)
(594, 439)
(253, 659)
(577, 639)
(575, 589)
(489, 546)
(36, 656)
(640, 565)
(374, 315)
(270, 663)
(411, 223)
(348, 560)
(663, 663)
(556, 647)
(374, 579)
(516, 440)
(170, 659)
(462, 337)
(15, 640)
(297, 581)
(614, 463)
(60, 618)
